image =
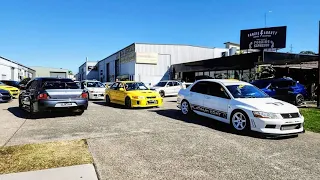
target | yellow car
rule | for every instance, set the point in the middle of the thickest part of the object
(14, 92)
(132, 94)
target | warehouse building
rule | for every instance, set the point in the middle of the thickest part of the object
(11, 70)
(50, 72)
(148, 63)
(88, 71)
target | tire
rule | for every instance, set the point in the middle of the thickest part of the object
(107, 102)
(88, 96)
(128, 103)
(20, 104)
(162, 94)
(185, 108)
(78, 113)
(240, 122)
(299, 99)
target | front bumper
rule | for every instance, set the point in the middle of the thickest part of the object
(96, 95)
(15, 94)
(51, 104)
(5, 98)
(147, 102)
(277, 126)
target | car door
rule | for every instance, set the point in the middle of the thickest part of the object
(177, 86)
(169, 88)
(196, 96)
(216, 102)
(121, 95)
(112, 92)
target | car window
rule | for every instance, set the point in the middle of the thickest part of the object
(33, 85)
(200, 87)
(283, 84)
(246, 91)
(170, 84)
(135, 86)
(161, 84)
(175, 83)
(114, 86)
(217, 90)
(95, 84)
(59, 85)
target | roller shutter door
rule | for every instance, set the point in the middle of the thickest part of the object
(58, 74)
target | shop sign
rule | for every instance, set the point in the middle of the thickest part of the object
(146, 58)
(263, 38)
(127, 54)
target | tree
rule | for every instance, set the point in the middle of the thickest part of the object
(70, 73)
(307, 52)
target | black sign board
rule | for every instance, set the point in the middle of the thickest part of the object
(263, 38)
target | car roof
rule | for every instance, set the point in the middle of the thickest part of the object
(226, 82)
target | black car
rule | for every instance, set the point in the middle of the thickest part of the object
(11, 83)
(52, 94)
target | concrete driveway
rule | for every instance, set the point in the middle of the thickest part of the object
(160, 143)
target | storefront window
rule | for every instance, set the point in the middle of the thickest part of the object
(212, 74)
(207, 73)
(231, 74)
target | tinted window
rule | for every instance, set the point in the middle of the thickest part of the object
(261, 84)
(246, 91)
(161, 84)
(217, 90)
(200, 87)
(33, 85)
(135, 86)
(114, 86)
(170, 84)
(94, 84)
(60, 85)
(176, 83)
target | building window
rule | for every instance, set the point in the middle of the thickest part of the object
(207, 73)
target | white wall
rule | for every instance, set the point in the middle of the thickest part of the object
(103, 66)
(19, 70)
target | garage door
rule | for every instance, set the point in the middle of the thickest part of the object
(58, 74)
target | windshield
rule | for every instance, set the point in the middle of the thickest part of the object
(60, 85)
(95, 84)
(1, 83)
(261, 84)
(246, 91)
(161, 84)
(135, 86)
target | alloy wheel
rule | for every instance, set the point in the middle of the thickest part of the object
(239, 121)
(185, 107)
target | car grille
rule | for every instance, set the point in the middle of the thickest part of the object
(5, 94)
(290, 115)
(290, 126)
(151, 97)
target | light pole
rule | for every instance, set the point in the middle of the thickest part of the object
(265, 18)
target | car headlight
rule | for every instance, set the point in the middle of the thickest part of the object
(260, 114)
(0, 94)
(138, 97)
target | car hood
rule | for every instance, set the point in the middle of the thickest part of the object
(143, 93)
(268, 105)
(96, 89)
(5, 87)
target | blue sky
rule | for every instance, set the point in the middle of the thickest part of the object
(61, 33)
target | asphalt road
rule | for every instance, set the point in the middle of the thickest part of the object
(160, 143)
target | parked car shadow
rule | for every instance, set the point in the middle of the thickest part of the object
(16, 111)
(118, 106)
(213, 124)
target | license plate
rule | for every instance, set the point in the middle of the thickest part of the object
(152, 101)
(65, 105)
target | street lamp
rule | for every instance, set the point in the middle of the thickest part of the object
(265, 18)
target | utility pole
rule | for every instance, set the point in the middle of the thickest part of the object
(291, 48)
(318, 89)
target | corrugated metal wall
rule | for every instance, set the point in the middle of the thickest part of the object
(103, 67)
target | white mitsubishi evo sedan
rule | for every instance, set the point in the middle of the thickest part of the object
(242, 105)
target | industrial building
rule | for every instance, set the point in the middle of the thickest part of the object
(11, 70)
(50, 72)
(149, 63)
(88, 71)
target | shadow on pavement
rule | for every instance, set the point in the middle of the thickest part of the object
(118, 106)
(211, 123)
(16, 111)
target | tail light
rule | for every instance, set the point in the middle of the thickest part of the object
(43, 96)
(84, 95)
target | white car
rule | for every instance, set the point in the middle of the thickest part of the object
(167, 88)
(95, 89)
(242, 105)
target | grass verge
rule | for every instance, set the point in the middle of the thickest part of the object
(311, 118)
(32, 157)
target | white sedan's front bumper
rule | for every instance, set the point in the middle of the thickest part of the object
(96, 95)
(277, 126)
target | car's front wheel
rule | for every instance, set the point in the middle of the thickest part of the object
(128, 102)
(185, 108)
(299, 99)
(162, 94)
(240, 121)
(107, 100)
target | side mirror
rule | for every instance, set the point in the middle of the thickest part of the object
(121, 89)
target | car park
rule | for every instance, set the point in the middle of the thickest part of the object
(5, 96)
(242, 105)
(167, 88)
(132, 94)
(284, 89)
(53, 94)
(14, 92)
(95, 89)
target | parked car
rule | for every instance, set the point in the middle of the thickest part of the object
(284, 89)
(203, 77)
(168, 88)
(53, 94)
(132, 94)
(14, 92)
(94, 88)
(23, 83)
(11, 83)
(242, 105)
(5, 96)
(107, 84)
(78, 83)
